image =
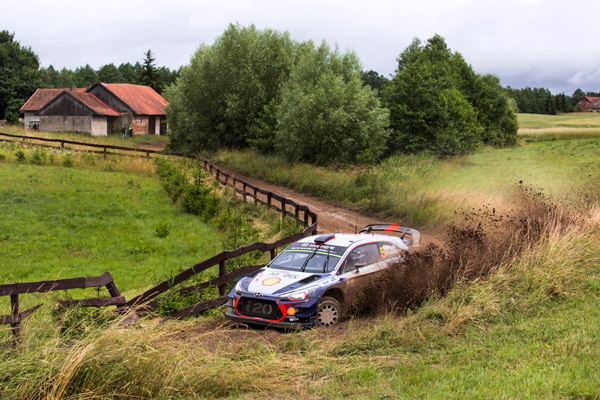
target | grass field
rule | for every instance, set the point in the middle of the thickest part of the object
(530, 329)
(63, 222)
(425, 191)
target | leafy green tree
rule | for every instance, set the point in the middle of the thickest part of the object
(109, 73)
(375, 80)
(129, 72)
(220, 95)
(327, 115)
(19, 76)
(49, 77)
(85, 76)
(438, 103)
(66, 79)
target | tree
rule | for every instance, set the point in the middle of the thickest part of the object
(86, 76)
(109, 73)
(438, 103)
(66, 79)
(327, 115)
(19, 76)
(128, 72)
(148, 74)
(49, 77)
(375, 81)
(220, 95)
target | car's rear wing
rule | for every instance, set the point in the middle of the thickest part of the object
(415, 235)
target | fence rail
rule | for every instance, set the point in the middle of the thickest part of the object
(249, 190)
(15, 289)
(147, 302)
(63, 142)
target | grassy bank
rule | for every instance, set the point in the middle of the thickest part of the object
(529, 330)
(425, 191)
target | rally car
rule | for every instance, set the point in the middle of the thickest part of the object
(314, 280)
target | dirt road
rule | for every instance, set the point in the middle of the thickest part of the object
(331, 217)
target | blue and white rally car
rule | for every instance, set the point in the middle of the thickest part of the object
(313, 281)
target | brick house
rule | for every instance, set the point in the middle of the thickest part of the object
(100, 109)
(589, 103)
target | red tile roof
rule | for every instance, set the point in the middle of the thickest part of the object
(97, 106)
(143, 100)
(41, 97)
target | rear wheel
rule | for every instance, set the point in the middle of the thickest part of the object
(329, 311)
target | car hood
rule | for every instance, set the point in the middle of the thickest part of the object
(273, 282)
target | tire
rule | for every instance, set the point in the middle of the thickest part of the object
(329, 311)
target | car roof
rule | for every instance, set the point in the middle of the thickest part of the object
(348, 239)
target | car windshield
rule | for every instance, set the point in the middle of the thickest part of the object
(305, 261)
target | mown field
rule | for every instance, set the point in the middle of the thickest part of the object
(528, 329)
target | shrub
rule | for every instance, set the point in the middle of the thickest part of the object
(38, 157)
(198, 199)
(162, 229)
(20, 154)
(68, 160)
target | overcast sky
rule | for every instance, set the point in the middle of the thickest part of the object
(536, 43)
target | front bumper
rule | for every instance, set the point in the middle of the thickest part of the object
(233, 316)
(246, 310)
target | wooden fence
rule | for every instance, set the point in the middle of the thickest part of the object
(89, 147)
(146, 302)
(269, 199)
(15, 289)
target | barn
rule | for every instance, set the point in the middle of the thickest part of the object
(589, 103)
(98, 110)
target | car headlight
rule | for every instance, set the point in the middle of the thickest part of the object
(238, 287)
(298, 295)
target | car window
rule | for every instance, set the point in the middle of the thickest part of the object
(388, 250)
(363, 255)
(305, 261)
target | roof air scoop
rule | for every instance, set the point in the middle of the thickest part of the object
(324, 238)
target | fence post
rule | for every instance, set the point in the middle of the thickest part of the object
(255, 198)
(104, 152)
(306, 217)
(269, 197)
(297, 211)
(272, 251)
(244, 194)
(113, 290)
(16, 321)
(62, 144)
(221, 273)
(148, 154)
(282, 210)
(218, 172)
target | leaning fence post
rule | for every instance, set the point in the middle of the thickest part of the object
(16, 321)
(221, 273)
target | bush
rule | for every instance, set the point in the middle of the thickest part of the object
(20, 154)
(198, 199)
(68, 160)
(162, 229)
(38, 157)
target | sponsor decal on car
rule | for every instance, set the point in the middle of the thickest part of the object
(271, 281)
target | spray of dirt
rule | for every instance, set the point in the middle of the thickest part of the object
(472, 248)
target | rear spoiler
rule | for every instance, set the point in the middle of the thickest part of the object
(404, 230)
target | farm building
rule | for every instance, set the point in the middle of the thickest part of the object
(589, 103)
(98, 110)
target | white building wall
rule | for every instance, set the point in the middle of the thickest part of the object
(99, 126)
(29, 118)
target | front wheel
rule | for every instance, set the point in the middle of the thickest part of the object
(329, 311)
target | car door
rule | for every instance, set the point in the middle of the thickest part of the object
(371, 259)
